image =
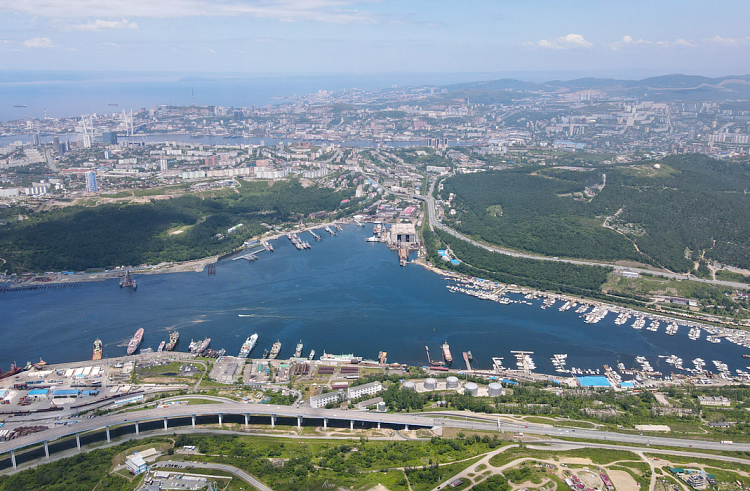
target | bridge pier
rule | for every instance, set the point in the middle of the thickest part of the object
(13, 458)
(325, 423)
(221, 420)
(273, 420)
(193, 420)
(406, 427)
(247, 417)
(109, 440)
(165, 423)
(299, 422)
(137, 428)
(78, 440)
(46, 449)
(351, 425)
(378, 424)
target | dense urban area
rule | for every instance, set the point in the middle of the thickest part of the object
(599, 197)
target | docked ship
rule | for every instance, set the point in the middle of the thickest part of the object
(135, 342)
(447, 353)
(198, 348)
(13, 371)
(383, 357)
(128, 282)
(174, 336)
(248, 346)
(311, 355)
(97, 350)
(350, 358)
(298, 349)
(275, 350)
(161, 347)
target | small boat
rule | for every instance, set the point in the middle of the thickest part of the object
(161, 347)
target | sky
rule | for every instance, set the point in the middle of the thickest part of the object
(362, 37)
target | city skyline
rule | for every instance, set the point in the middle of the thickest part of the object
(350, 36)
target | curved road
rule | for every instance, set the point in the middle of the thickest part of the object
(418, 420)
(434, 223)
(222, 467)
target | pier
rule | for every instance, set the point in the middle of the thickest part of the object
(29, 288)
(316, 236)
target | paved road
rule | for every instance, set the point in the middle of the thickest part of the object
(434, 223)
(418, 420)
(221, 467)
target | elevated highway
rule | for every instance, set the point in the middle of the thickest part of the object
(185, 415)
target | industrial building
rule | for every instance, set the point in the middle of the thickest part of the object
(323, 400)
(403, 233)
(362, 390)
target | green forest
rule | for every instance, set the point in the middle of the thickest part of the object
(78, 238)
(691, 207)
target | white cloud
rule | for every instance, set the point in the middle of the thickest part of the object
(99, 24)
(39, 43)
(728, 41)
(677, 42)
(627, 40)
(334, 11)
(565, 42)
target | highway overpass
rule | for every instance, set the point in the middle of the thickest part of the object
(91, 430)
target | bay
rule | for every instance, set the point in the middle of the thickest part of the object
(342, 296)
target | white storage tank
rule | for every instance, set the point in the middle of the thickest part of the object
(430, 384)
(495, 389)
(451, 382)
(410, 386)
(471, 389)
(381, 407)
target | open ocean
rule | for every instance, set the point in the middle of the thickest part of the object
(342, 296)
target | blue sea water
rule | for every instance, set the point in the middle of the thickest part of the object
(342, 296)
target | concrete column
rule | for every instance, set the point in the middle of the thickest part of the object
(406, 427)
(299, 422)
(46, 449)
(137, 428)
(193, 418)
(108, 438)
(221, 420)
(378, 424)
(13, 458)
(351, 425)
(247, 417)
(78, 441)
(273, 420)
(165, 423)
(325, 423)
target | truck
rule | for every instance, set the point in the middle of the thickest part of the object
(727, 442)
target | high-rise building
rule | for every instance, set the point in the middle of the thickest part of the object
(109, 138)
(37, 140)
(56, 144)
(163, 165)
(91, 182)
(238, 116)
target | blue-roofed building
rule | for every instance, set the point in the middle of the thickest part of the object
(64, 393)
(594, 381)
(38, 394)
(455, 262)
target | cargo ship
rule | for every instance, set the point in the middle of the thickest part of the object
(248, 346)
(311, 355)
(746, 356)
(13, 371)
(447, 353)
(174, 336)
(135, 342)
(275, 350)
(383, 357)
(97, 350)
(128, 282)
(161, 347)
(298, 349)
(198, 348)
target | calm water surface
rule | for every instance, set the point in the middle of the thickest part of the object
(342, 296)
